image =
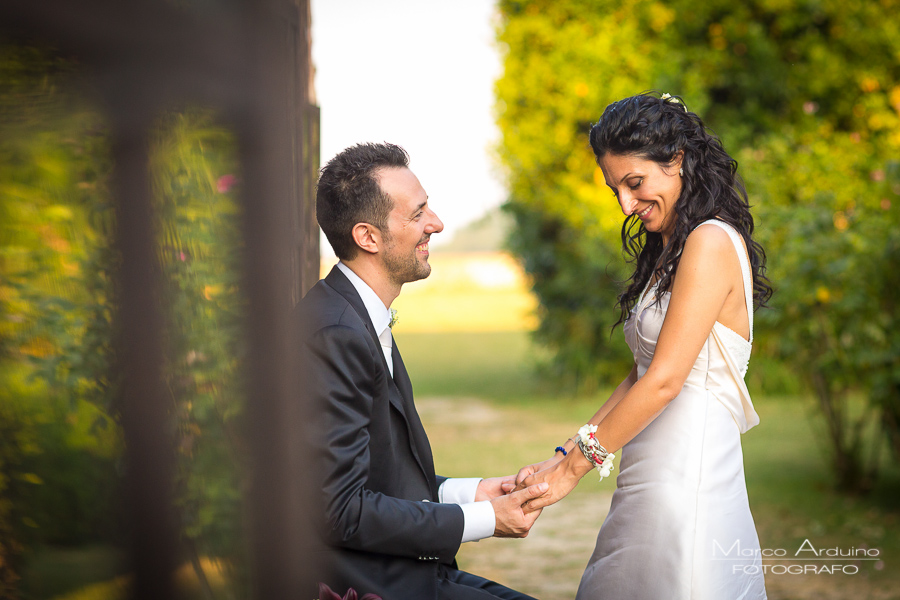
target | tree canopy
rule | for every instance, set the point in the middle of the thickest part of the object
(805, 94)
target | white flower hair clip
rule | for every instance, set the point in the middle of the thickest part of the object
(672, 100)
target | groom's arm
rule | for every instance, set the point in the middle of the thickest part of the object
(479, 517)
(341, 382)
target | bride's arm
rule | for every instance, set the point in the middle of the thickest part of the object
(706, 276)
(569, 445)
(617, 395)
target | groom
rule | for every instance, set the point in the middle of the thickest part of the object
(388, 524)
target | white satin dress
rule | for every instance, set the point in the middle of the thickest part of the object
(680, 525)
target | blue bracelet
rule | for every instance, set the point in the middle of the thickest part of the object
(563, 450)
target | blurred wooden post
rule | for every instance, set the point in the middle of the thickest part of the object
(306, 126)
(272, 142)
(251, 60)
(149, 455)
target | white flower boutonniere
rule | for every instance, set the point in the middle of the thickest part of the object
(394, 318)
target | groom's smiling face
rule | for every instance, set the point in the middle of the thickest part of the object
(410, 223)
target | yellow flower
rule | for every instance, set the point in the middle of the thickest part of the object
(211, 291)
(841, 223)
(869, 84)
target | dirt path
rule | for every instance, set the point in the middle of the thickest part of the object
(549, 562)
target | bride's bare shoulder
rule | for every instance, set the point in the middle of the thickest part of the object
(707, 241)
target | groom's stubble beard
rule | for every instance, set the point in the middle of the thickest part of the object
(404, 267)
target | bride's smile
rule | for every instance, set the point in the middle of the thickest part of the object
(644, 188)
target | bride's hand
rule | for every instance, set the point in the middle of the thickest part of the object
(530, 470)
(562, 476)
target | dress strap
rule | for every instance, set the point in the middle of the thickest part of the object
(640, 302)
(745, 266)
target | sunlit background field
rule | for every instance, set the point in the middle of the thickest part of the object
(468, 291)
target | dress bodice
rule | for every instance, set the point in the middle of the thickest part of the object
(723, 360)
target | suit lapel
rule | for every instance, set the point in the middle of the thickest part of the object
(342, 285)
(417, 430)
(401, 395)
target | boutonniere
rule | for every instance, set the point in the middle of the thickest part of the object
(394, 318)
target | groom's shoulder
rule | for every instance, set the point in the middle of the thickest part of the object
(322, 307)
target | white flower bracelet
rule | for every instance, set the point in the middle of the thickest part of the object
(599, 456)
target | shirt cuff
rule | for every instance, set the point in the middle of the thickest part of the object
(479, 521)
(458, 490)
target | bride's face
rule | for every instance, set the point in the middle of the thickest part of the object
(645, 188)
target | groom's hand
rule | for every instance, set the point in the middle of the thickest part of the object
(490, 488)
(512, 520)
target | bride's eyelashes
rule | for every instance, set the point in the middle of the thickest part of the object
(631, 186)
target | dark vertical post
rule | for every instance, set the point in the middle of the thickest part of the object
(306, 229)
(274, 414)
(149, 454)
(309, 234)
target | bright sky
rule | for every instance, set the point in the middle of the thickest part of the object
(418, 73)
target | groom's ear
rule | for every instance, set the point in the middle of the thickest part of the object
(367, 237)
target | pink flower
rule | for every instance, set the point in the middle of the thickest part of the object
(225, 182)
(326, 593)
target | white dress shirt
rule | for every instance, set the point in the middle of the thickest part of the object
(479, 518)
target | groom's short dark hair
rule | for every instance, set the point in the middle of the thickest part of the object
(349, 193)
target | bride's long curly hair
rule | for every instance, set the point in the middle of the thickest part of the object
(657, 128)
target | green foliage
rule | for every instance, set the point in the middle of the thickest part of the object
(194, 168)
(60, 443)
(806, 94)
(564, 62)
(577, 306)
(55, 570)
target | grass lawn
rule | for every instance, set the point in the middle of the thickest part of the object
(486, 415)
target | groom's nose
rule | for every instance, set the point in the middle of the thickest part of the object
(434, 225)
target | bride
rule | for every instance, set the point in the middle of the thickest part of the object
(680, 507)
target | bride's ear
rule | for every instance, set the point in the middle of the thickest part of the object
(676, 161)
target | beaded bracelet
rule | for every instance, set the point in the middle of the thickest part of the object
(563, 450)
(599, 456)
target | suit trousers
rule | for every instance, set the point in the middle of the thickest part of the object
(454, 584)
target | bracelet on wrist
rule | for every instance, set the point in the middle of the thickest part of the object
(563, 450)
(599, 456)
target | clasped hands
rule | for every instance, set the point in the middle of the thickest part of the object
(518, 499)
(512, 520)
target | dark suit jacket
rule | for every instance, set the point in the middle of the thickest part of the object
(382, 529)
